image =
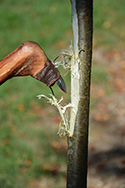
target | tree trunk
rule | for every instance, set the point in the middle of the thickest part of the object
(82, 15)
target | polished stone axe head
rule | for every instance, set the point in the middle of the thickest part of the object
(30, 59)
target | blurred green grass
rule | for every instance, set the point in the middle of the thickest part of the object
(24, 134)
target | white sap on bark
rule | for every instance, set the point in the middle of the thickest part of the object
(74, 71)
(66, 127)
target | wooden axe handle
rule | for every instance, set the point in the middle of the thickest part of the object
(28, 59)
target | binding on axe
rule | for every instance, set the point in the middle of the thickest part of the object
(30, 59)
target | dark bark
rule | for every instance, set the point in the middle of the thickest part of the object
(78, 143)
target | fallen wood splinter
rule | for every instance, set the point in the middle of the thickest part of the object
(64, 124)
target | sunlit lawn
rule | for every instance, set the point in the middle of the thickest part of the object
(28, 126)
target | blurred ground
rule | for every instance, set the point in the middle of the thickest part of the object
(107, 126)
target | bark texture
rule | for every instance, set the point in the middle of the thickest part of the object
(78, 143)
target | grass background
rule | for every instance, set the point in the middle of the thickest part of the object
(26, 141)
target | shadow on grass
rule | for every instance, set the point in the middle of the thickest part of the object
(110, 162)
(5, 184)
